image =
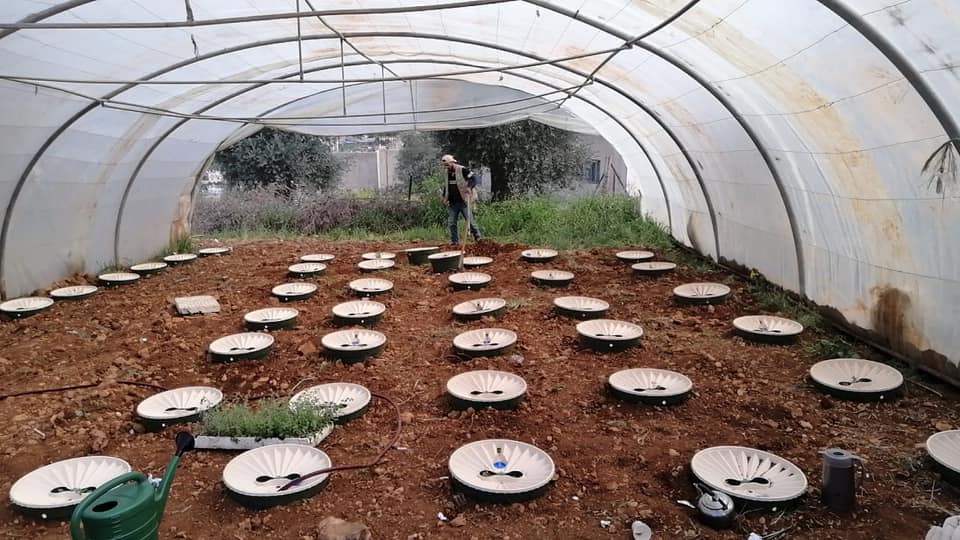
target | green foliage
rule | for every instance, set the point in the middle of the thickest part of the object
(524, 157)
(694, 261)
(773, 298)
(586, 222)
(561, 224)
(290, 160)
(181, 244)
(831, 347)
(419, 157)
(273, 418)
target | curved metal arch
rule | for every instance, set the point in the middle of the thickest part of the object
(950, 124)
(725, 103)
(939, 109)
(4, 232)
(153, 147)
(761, 149)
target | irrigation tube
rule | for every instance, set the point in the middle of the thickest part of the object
(375, 462)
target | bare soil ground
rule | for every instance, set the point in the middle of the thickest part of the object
(616, 462)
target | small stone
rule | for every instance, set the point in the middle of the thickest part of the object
(469, 412)
(806, 425)
(943, 426)
(406, 417)
(332, 528)
(458, 521)
(673, 452)
(139, 428)
(307, 348)
(771, 423)
(516, 360)
(453, 415)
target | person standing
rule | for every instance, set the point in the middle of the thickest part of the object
(459, 192)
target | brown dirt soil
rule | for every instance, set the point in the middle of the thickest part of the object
(615, 461)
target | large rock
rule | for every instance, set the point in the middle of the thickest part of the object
(332, 528)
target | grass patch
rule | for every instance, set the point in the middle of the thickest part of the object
(597, 221)
(181, 244)
(770, 297)
(269, 419)
(691, 261)
(518, 303)
(831, 347)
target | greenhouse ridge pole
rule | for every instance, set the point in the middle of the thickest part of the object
(32, 25)
(41, 15)
(170, 131)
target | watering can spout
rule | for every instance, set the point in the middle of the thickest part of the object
(184, 443)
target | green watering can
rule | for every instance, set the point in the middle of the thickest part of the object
(128, 507)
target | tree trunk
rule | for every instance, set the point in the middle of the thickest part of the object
(499, 189)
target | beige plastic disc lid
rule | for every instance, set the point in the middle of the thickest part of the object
(294, 289)
(317, 258)
(609, 330)
(271, 315)
(179, 402)
(856, 375)
(580, 303)
(215, 250)
(356, 339)
(376, 264)
(944, 448)
(701, 291)
(418, 249)
(73, 291)
(485, 339)
(768, 325)
(650, 382)
(119, 277)
(749, 474)
(148, 266)
(477, 261)
(359, 309)
(444, 255)
(348, 398)
(261, 472)
(243, 343)
(552, 275)
(180, 257)
(653, 266)
(371, 285)
(635, 255)
(65, 483)
(373, 255)
(470, 278)
(479, 306)
(486, 385)
(26, 304)
(305, 268)
(518, 467)
(539, 253)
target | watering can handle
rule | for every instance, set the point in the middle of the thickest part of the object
(76, 526)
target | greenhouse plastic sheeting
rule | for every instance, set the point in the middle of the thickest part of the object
(786, 136)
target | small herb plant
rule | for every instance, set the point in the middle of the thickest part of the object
(269, 419)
